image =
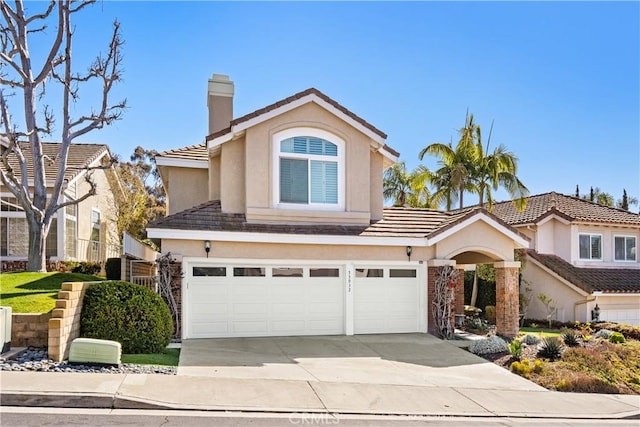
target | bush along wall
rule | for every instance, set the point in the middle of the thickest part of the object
(131, 314)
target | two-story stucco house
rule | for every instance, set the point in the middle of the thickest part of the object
(279, 223)
(83, 232)
(581, 255)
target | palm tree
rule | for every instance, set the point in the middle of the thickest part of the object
(407, 188)
(457, 165)
(396, 184)
(496, 170)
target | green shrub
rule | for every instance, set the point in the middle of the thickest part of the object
(493, 344)
(131, 314)
(538, 366)
(530, 339)
(515, 348)
(86, 267)
(616, 338)
(570, 338)
(113, 268)
(550, 348)
(521, 368)
(603, 333)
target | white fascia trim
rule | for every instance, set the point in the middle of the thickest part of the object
(524, 243)
(556, 217)
(559, 278)
(387, 154)
(182, 163)
(303, 239)
(288, 107)
(82, 172)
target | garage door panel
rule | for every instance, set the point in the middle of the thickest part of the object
(243, 305)
(287, 309)
(204, 329)
(387, 304)
(249, 327)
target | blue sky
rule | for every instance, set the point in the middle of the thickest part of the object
(560, 79)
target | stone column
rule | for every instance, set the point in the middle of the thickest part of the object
(507, 298)
(433, 270)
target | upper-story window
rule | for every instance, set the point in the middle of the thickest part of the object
(624, 248)
(308, 169)
(591, 246)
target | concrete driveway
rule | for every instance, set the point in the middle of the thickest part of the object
(390, 359)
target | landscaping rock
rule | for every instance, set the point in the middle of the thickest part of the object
(37, 359)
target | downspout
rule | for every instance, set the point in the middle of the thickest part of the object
(586, 300)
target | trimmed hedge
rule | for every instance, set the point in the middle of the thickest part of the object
(131, 314)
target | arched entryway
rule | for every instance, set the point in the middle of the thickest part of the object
(507, 292)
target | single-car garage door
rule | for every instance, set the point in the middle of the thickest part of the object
(386, 300)
(235, 300)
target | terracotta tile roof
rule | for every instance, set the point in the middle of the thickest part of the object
(569, 207)
(80, 156)
(310, 91)
(191, 152)
(209, 217)
(409, 222)
(396, 222)
(607, 280)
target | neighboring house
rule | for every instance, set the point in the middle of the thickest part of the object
(582, 254)
(279, 224)
(83, 232)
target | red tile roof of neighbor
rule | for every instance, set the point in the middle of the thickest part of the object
(80, 156)
(568, 207)
(396, 222)
(191, 152)
(606, 280)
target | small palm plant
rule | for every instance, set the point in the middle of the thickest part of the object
(550, 348)
(570, 338)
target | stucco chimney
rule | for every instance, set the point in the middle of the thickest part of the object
(220, 102)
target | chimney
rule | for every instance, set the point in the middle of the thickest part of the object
(220, 102)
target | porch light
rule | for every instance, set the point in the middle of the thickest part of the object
(409, 251)
(207, 247)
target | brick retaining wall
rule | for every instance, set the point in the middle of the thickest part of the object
(64, 325)
(29, 329)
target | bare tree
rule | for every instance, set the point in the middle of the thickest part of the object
(22, 145)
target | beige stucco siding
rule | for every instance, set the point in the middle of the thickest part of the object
(477, 237)
(554, 237)
(260, 167)
(232, 177)
(104, 203)
(375, 186)
(191, 248)
(187, 187)
(214, 178)
(564, 297)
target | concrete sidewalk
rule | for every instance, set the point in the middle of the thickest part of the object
(142, 391)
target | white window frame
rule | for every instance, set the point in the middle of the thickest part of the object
(591, 258)
(74, 219)
(278, 137)
(624, 236)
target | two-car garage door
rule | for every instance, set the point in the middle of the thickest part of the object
(258, 299)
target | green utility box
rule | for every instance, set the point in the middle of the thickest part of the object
(91, 350)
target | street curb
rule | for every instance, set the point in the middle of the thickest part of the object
(57, 400)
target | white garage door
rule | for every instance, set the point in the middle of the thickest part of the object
(386, 300)
(628, 317)
(263, 300)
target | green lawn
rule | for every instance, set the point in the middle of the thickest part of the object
(35, 292)
(541, 332)
(169, 357)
